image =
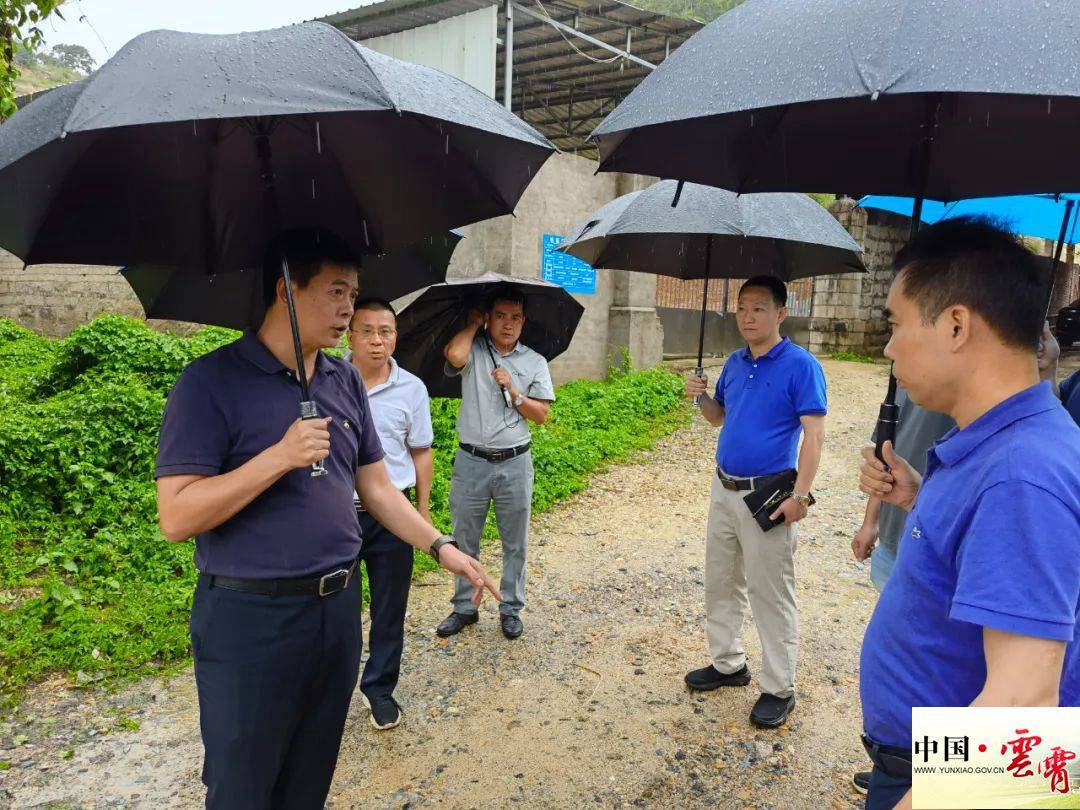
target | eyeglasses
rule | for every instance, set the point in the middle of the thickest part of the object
(367, 333)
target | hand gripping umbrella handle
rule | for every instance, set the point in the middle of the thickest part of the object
(309, 411)
(699, 371)
(494, 362)
(888, 419)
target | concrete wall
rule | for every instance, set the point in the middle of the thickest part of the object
(847, 309)
(54, 300)
(681, 328)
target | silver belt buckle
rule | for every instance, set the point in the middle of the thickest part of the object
(342, 575)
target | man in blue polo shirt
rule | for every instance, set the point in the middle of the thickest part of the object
(983, 604)
(275, 624)
(1068, 390)
(768, 395)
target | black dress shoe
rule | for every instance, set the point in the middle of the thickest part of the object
(861, 782)
(708, 678)
(455, 623)
(512, 626)
(771, 711)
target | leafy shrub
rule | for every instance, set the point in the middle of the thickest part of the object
(87, 583)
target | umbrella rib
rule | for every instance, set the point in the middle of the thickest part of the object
(355, 49)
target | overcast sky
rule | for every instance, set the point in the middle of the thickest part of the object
(103, 26)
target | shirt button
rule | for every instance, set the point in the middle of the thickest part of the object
(751, 376)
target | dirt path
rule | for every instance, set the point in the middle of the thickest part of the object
(586, 709)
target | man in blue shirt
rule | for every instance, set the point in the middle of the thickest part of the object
(768, 395)
(1068, 390)
(982, 606)
(275, 624)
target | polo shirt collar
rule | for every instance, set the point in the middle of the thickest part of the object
(255, 352)
(252, 349)
(957, 444)
(771, 354)
(518, 347)
(395, 373)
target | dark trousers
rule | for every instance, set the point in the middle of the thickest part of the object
(389, 563)
(885, 790)
(275, 676)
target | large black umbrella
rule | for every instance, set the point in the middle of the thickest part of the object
(921, 98)
(426, 325)
(194, 151)
(714, 233)
(941, 99)
(235, 300)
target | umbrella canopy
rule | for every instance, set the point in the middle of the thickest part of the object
(933, 98)
(164, 155)
(426, 325)
(235, 300)
(1037, 215)
(713, 233)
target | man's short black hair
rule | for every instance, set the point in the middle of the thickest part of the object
(307, 250)
(373, 304)
(775, 286)
(978, 263)
(508, 293)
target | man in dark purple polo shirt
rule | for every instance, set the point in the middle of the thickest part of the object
(275, 624)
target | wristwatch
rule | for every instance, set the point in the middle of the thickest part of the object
(803, 499)
(444, 540)
(518, 400)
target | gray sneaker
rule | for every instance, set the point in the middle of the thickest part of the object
(385, 711)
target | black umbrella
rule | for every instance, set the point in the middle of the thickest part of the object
(943, 99)
(713, 233)
(194, 151)
(426, 325)
(235, 300)
(921, 98)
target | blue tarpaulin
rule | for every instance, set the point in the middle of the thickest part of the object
(1037, 215)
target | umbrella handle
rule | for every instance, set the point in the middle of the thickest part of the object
(888, 419)
(308, 410)
(494, 362)
(698, 372)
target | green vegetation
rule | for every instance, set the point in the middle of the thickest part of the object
(88, 586)
(852, 357)
(43, 70)
(20, 32)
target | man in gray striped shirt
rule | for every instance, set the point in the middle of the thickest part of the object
(504, 385)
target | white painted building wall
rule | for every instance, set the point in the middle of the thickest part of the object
(462, 46)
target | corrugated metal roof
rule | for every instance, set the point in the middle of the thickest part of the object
(562, 89)
(393, 16)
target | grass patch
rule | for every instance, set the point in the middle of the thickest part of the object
(89, 587)
(852, 357)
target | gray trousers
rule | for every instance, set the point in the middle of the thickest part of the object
(742, 560)
(475, 486)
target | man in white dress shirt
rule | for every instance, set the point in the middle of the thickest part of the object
(401, 411)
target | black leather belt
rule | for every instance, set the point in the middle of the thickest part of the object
(331, 582)
(495, 456)
(892, 760)
(737, 484)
